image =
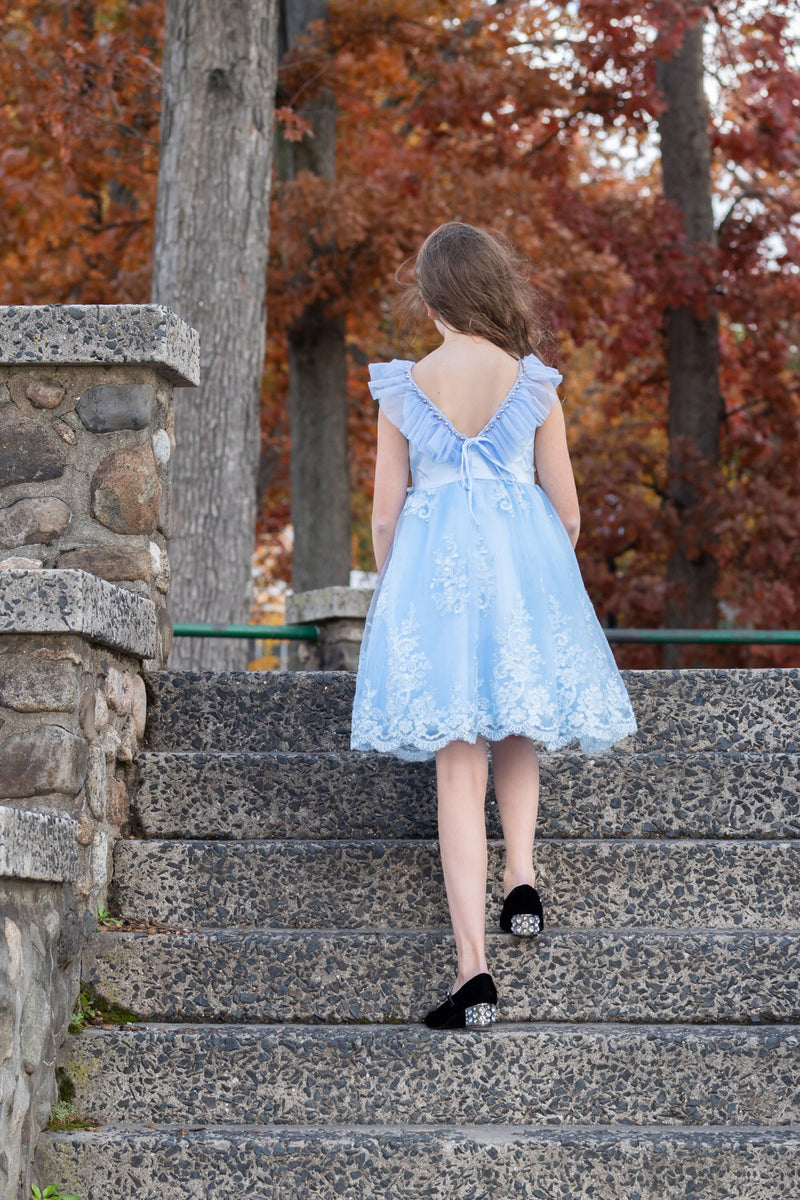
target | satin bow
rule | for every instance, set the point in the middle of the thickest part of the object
(484, 447)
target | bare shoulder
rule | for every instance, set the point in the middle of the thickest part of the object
(431, 363)
(463, 364)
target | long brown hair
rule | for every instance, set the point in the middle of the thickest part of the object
(475, 282)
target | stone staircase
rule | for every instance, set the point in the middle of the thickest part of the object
(648, 1044)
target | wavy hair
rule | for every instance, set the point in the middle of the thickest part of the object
(475, 282)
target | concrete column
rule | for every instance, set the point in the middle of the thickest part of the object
(340, 614)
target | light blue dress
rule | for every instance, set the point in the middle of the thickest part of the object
(480, 623)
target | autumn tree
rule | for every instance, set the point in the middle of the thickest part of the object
(80, 87)
(562, 95)
(691, 330)
(746, 269)
(315, 336)
(78, 227)
(412, 149)
(209, 265)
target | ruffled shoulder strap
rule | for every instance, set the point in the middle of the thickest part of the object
(425, 426)
(539, 383)
(525, 408)
(419, 421)
(389, 386)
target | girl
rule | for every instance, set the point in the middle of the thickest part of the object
(480, 630)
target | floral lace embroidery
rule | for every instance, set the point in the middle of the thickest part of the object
(406, 659)
(517, 659)
(419, 503)
(457, 573)
(501, 497)
(523, 497)
(580, 695)
(450, 580)
(510, 497)
(485, 576)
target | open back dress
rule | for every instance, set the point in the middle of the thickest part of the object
(480, 623)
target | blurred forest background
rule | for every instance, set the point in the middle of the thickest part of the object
(541, 121)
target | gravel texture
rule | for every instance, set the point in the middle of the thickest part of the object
(514, 1075)
(334, 794)
(335, 977)
(648, 1040)
(358, 884)
(676, 710)
(445, 1163)
(83, 334)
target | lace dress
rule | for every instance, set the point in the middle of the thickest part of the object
(480, 623)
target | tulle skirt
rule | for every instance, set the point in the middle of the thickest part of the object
(480, 625)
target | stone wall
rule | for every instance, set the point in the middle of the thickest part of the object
(73, 712)
(86, 440)
(43, 930)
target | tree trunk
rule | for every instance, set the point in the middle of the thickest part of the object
(317, 356)
(320, 475)
(210, 258)
(695, 406)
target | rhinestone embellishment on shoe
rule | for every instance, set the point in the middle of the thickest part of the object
(480, 1016)
(525, 924)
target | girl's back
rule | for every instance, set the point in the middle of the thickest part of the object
(468, 382)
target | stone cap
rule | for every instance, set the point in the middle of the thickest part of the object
(84, 334)
(68, 600)
(324, 604)
(38, 845)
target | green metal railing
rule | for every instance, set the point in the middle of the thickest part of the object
(274, 633)
(708, 637)
(699, 637)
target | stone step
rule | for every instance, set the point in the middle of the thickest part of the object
(563, 975)
(370, 884)
(383, 1074)
(285, 794)
(434, 1163)
(251, 710)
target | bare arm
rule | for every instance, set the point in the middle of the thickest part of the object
(391, 481)
(554, 470)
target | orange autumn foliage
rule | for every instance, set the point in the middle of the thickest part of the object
(519, 117)
(532, 119)
(78, 150)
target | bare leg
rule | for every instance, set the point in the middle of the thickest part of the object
(515, 766)
(461, 776)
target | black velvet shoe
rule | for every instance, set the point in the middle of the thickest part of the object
(522, 912)
(474, 1006)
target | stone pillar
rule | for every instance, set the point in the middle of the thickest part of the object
(85, 516)
(340, 614)
(86, 438)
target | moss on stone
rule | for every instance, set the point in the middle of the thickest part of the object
(65, 1116)
(113, 1013)
(93, 1008)
(66, 1087)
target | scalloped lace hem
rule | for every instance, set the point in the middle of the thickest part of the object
(425, 748)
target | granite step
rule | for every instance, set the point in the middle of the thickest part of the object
(255, 976)
(285, 794)
(250, 710)
(649, 1040)
(383, 884)
(434, 1163)
(389, 1074)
